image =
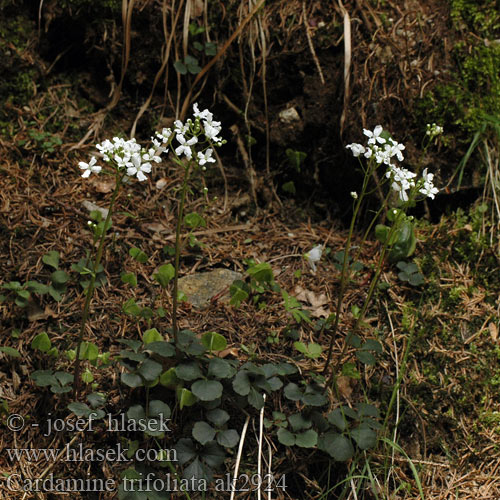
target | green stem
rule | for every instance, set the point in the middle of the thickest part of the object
(345, 275)
(178, 252)
(91, 287)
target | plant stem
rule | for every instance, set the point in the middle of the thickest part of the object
(345, 275)
(180, 212)
(91, 287)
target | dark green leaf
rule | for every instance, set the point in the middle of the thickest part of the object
(164, 349)
(218, 417)
(207, 390)
(286, 437)
(188, 371)
(366, 357)
(299, 422)
(293, 392)
(307, 439)
(337, 446)
(220, 368)
(51, 259)
(203, 432)
(365, 437)
(150, 369)
(131, 379)
(241, 383)
(228, 438)
(59, 277)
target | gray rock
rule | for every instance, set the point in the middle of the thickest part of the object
(201, 287)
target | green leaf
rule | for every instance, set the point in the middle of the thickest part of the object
(366, 357)
(188, 371)
(164, 275)
(194, 220)
(185, 397)
(220, 368)
(213, 455)
(150, 369)
(51, 259)
(293, 392)
(203, 432)
(130, 307)
(80, 409)
(63, 378)
(132, 379)
(10, 351)
(228, 438)
(36, 287)
(313, 397)
(365, 437)
(43, 378)
(87, 376)
(214, 341)
(169, 379)
(337, 446)
(307, 439)
(285, 437)
(350, 370)
(337, 419)
(382, 233)
(159, 409)
(262, 273)
(136, 413)
(129, 278)
(180, 67)
(241, 383)
(299, 422)
(89, 351)
(207, 390)
(372, 345)
(239, 292)
(138, 255)
(367, 410)
(164, 349)
(59, 277)
(151, 335)
(255, 398)
(55, 294)
(41, 342)
(218, 417)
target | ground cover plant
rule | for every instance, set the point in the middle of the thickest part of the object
(353, 353)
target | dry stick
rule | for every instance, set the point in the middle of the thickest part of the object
(259, 458)
(347, 62)
(310, 43)
(219, 54)
(100, 115)
(238, 457)
(263, 49)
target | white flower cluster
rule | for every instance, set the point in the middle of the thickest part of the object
(130, 156)
(433, 130)
(383, 150)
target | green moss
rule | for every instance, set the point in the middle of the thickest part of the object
(474, 86)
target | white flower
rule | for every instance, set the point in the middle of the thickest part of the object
(402, 180)
(152, 155)
(181, 128)
(314, 256)
(137, 168)
(205, 157)
(202, 115)
(212, 128)
(395, 149)
(354, 195)
(356, 149)
(122, 161)
(374, 136)
(185, 147)
(89, 167)
(428, 188)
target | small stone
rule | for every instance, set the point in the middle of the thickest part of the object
(200, 288)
